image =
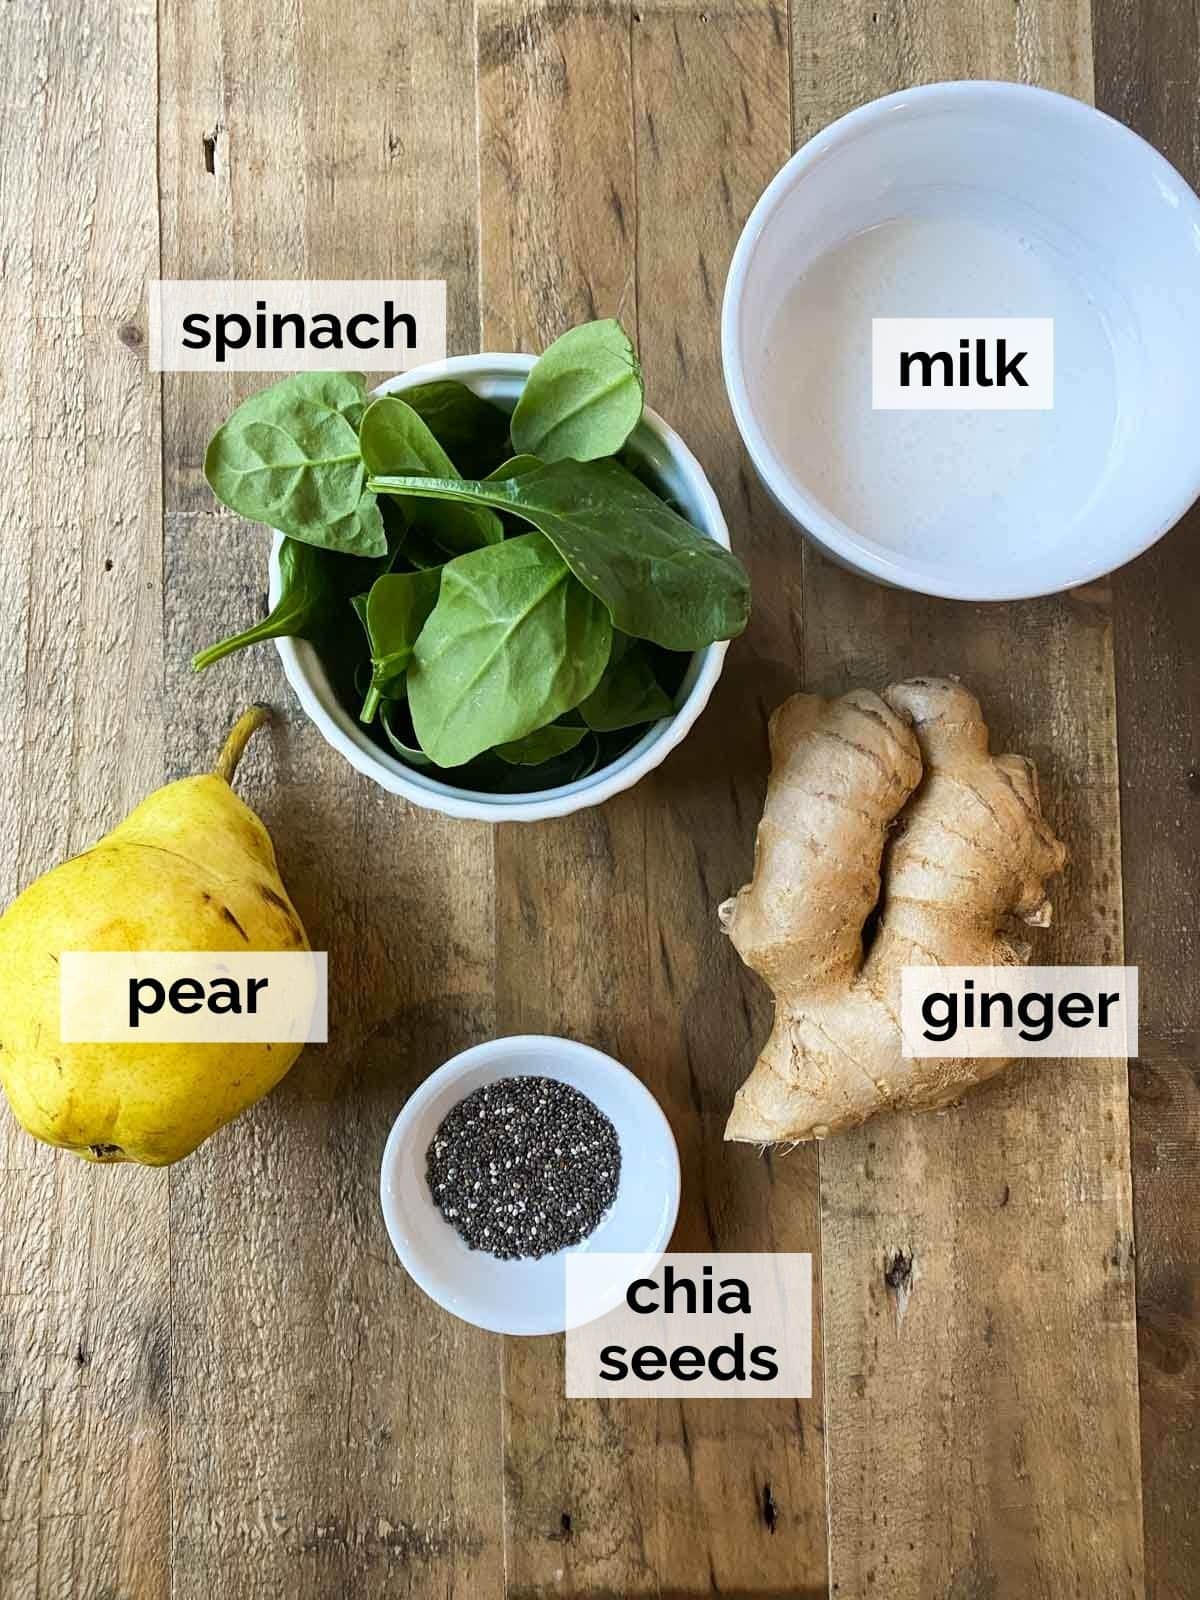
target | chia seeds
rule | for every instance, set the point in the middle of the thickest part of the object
(524, 1167)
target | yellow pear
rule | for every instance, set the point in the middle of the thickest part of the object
(192, 868)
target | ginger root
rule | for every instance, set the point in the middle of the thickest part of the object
(899, 786)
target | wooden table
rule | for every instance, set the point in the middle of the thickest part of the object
(215, 1381)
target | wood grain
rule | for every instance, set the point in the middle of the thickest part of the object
(606, 922)
(981, 1398)
(335, 1433)
(1148, 74)
(84, 1333)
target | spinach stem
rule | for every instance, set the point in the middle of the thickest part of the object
(269, 628)
(370, 705)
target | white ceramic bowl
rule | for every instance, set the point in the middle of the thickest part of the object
(501, 378)
(1114, 222)
(528, 1297)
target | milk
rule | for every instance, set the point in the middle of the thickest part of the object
(922, 483)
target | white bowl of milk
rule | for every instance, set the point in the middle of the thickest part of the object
(963, 201)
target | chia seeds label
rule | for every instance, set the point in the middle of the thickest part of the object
(736, 1327)
(524, 1167)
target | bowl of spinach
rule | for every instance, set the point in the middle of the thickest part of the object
(501, 587)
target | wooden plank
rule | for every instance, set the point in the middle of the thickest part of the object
(335, 1432)
(83, 1264)
(1164, 1106)
(605, 921)
(978, 1277)
(579, 1512)
(713, 123)
(1148, 74)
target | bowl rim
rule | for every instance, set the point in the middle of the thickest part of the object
(458, 1066)
(839, 540)
(306, 676)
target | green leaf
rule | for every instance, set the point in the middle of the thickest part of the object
(542, 744)
(420, 553)
(583, 397)
(627, 694)
(397, 725)
(472, 431)
(288, 456)
(395, 440)
(488, 773)
(485, 772)
(660, 578)
(396, 610)
(553, 773)
(514, 467)
(513, 642)
(301, 602)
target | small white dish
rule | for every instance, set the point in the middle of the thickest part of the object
(528, 1297)
(501, 378)
(1115, 232)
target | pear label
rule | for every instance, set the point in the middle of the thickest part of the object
(147, 996)
(193, 997)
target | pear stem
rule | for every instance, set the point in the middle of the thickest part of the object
(239, 736)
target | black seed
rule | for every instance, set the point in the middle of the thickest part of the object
(551, 1161)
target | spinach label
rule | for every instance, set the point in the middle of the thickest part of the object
(289, 457)
(513, 642)
(583, 397)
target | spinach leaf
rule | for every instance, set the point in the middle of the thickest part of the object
(301, 607)
(553, 740)
(670, 667)
(340, 642)
(552, 774)
(289, 457)
(660, 578)
(513, 642)
(420, 553)
(472, 431)
(491, 773)
(514, 467)
(394, 439)
(392, 432)
(313, 587)
(397, 725)
(583, 397)
(488, 772)
(627, 694)
(395, 613)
